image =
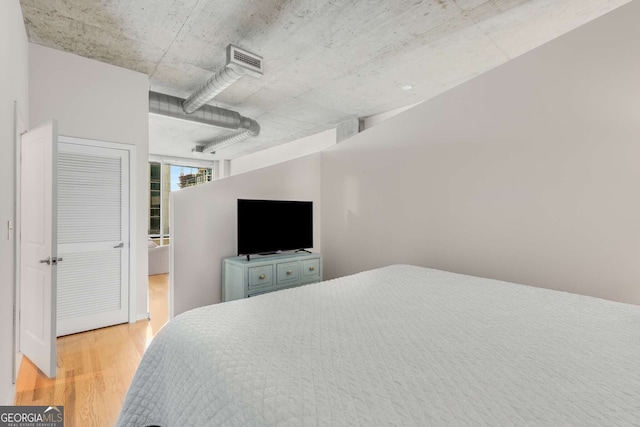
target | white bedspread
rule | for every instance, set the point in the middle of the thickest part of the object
(400, 345)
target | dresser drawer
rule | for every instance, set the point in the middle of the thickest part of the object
(243, 277)
(260, 276)
(310, 269)
(287, 272)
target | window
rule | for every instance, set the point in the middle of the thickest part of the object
(165, 177)
(155, 198)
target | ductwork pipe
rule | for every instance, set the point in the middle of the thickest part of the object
(216, 84)
(252, 129)
(171, 106)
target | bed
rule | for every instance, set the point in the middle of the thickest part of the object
(400, 345)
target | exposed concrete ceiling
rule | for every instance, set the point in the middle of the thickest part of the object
(325, 61)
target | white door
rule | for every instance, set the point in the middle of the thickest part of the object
(38, 250)
(93, 236)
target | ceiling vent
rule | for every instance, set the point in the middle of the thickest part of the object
(244, 61)
(239, 63)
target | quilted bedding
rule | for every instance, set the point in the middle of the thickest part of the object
(400, 345)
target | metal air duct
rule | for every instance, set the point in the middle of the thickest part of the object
(239, 63)
(221, 142)
(171, 106)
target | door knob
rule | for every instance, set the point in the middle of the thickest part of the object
(46, 261)
(120, 245)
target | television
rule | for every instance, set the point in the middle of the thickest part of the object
(272, 226)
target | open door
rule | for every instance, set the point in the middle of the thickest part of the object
(38, 247)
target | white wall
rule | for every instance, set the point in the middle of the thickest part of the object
(98, 101)
(281, 153)
(529, 173)
(13, 87)
(203, 228)
(303, 146)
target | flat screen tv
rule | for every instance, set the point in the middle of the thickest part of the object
(271, 226)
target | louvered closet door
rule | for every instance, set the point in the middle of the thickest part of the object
(93, 237)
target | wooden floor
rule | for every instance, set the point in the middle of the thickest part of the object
(95, 367)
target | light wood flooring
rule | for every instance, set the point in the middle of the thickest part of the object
(95, 368)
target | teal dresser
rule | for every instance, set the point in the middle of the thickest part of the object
(243, 279)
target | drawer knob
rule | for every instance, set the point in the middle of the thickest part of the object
(312, 268)
(289, 272)
(262, 277)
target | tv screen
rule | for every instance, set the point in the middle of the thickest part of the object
(268, 226)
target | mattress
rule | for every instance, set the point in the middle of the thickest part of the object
(400, 345)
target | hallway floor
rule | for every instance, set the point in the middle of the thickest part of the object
(96, 367)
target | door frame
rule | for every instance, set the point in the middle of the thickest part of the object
(132, 208)
(20, 128)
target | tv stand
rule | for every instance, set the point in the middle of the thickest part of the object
(244, 277)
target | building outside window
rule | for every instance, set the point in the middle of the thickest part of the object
(165, 177)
